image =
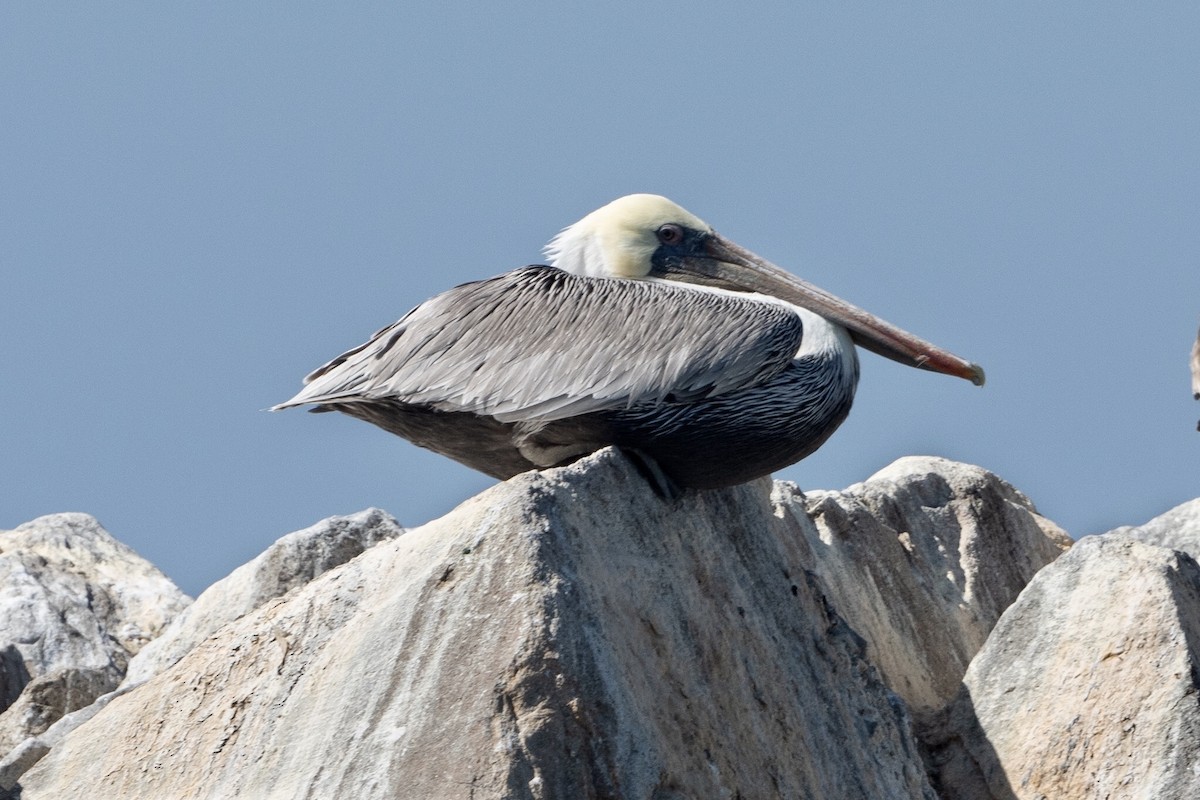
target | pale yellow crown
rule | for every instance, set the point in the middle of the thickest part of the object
(617, 240)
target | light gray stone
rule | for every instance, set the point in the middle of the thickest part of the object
(75, 606)
(565, 634)
(1177, 529)
(1087, 687)
(290, 562)
(569, 634)
(21, 758)
(46, 698)
(921, 559)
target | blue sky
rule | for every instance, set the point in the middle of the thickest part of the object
(199, 205)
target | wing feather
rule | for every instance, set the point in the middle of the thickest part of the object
(542, 344)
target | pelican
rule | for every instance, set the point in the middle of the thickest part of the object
(1196, 372)
(648, 330)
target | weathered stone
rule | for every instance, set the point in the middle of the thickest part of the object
(48, 697)
(21, 758)
(291, 561)
(1177, 529)
(1088, 685)
(921, 560)
(530, 645)
(13, 675)
(75, 605)
(565, 634)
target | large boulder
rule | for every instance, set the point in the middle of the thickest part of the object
(570, 634)
(1087, 687)
(292, 561)
(74, 694)
(565, 634)
(75, 606)
(1177, 529)
(921, 559)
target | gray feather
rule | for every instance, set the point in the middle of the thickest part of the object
(542, 344)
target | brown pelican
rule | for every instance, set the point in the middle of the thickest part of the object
(709, 365)
(1196, 372)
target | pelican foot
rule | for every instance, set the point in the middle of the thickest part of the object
(653, 474)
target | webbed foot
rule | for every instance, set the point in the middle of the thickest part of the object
(653, 474)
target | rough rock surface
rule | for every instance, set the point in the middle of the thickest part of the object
(291, 561)
(565, 634)
(75, 606)
(1177, 529)
(568, 634)
(1088, 686)
(921, 560)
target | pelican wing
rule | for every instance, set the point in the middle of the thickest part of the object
(540, 343)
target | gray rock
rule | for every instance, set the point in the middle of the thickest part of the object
(921, 560)
(75, 606)
(290, 562)
(565, 634)
(1087, 687)
(1177, 529)
(13, 674)
(46, 698)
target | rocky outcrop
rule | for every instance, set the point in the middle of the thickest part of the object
(290, 562)
(75, 606)
(568, 634)
(53, 705)
(1178, 529)
(921, 560)
(1087, 687)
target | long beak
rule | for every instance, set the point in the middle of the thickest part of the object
(723, 262)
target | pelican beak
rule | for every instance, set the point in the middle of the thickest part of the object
(720, 262)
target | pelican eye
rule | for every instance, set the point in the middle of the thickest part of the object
(670, 233)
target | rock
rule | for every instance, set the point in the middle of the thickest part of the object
(565, 634)
(21, 758)
(1177, 529)
(1087, 687)
(569, 634)
(13, 675)
(46, 698)
(921, 560)
(291, 561)
(75, 606)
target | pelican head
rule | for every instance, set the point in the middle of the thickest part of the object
(645, 236)
(619, 240)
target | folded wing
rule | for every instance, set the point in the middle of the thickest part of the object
(540, 343)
